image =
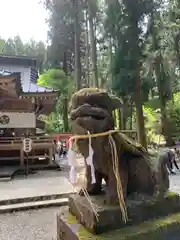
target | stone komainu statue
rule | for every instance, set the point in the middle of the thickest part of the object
(91, 110)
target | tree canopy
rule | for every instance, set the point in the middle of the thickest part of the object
(15, 46)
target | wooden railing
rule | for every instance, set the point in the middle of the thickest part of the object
(49, 139)
(12, 148)
(16, 142)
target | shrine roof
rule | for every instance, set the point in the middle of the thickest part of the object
(11, 85)
(29, 88)
(34, 88)
(18, 60)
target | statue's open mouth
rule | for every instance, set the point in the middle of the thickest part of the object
(88, 111)
(91, 118)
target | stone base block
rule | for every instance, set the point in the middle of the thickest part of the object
(166, 228)
(68, 227)
(110, 218)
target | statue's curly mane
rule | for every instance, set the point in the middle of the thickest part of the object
(94, 96)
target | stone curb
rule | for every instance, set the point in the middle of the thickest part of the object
(33, 205)
(48, 197)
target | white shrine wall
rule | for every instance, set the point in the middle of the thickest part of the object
(24, 70)
(18, 120)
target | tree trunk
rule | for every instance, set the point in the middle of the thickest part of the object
(65, 114)
(65, 64)
(131, 116)
(77, 45)
(123, 117)
(87, 77)
(166, 130)
(110, 60)
(139, 112)
(93, 46)
(122, 124)
(162, 87)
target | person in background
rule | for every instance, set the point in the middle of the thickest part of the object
(60, 149)
(172, 160)
(167, 157)
(55, 150)
(177, 153)
(54, 154)
(64, 149)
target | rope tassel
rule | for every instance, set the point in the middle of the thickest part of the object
(115, 162)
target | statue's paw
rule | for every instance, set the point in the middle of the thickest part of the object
(111, 200)
(94, 190)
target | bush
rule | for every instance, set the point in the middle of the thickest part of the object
(173, 112)
(153, 125)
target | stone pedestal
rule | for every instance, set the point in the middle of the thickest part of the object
(68, 227)
(166, 228)
(110, 217)
(78, 221)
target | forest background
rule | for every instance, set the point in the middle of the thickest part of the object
(130, 48)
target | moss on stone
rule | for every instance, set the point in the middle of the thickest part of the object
(140, 209)
(172, 194)
(162, 228)
(149, 230)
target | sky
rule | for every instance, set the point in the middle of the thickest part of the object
(25, 18)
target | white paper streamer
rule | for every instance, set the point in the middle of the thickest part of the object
(89, 161)
(72, 156)
(73, 175)
(73, 164)
(93, 178)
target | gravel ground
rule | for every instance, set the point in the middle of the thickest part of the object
(41, 224)
(29, 225)
(33, 224)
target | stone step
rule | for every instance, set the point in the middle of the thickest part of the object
(33, 205)
(5, 179)
(38, 198)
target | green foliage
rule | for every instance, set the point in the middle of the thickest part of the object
(127, 33)
(57, 80)
(153, 103)
(132, 35)
(153, 117)
(173, 110)
(61, 34)
(153, 125)
(53, 123)
(15, 46)
(64, 84)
